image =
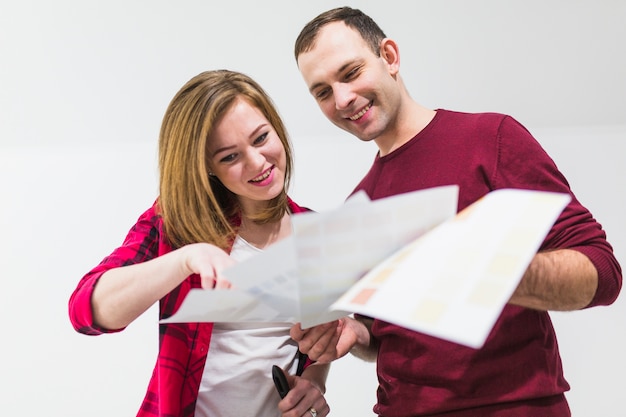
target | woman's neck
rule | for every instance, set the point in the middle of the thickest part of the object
(263, 235)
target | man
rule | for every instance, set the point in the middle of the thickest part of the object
(353, 72)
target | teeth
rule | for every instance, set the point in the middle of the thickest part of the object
(263, 176)
(360, 114)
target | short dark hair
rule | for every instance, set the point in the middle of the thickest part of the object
(353, 18)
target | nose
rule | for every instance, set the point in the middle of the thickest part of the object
(344, 97)
(255, 160)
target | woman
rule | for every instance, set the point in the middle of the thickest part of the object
(225, 162)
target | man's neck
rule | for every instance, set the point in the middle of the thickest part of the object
(408, 125)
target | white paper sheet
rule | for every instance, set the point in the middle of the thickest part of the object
(298, 278)
(407, 259)
(454, 282)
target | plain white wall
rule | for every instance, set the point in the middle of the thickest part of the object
(84, 86)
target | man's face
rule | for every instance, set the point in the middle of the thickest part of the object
(351, 84)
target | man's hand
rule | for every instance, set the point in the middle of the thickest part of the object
(330, 341)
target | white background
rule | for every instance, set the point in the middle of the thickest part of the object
(83, 88)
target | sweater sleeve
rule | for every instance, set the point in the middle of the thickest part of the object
(141, 244)
(523, 163)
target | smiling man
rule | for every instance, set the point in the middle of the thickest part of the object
(352, 70)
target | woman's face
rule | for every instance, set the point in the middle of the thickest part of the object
(247, 156)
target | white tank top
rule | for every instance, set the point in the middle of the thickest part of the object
(237, 378)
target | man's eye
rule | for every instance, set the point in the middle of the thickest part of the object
(322, 94)
(352, 73)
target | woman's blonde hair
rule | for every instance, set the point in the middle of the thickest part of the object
(195, 206)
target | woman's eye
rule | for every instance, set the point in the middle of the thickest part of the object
(260, 139)
(229, 158)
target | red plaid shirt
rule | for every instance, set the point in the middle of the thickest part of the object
(183, 347)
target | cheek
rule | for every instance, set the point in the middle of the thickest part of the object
(328, 108)
(276, 150)
(281, 156)
(229, 176)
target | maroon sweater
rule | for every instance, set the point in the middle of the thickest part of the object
(518, 371)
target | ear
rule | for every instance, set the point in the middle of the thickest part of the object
(391, 54)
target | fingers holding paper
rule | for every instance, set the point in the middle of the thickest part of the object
(330, 341)
(208, 261)
(123, 293)
(319, 342)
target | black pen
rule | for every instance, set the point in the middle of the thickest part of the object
(280, 381)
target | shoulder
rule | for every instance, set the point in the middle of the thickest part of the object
(295, 208)
(491, 124)
(152, 213)
(151, 218)
(476, 119)
(148, 229)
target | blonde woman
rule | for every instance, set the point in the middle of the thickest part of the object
(225, 162)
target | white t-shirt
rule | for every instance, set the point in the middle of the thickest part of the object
(237, 378)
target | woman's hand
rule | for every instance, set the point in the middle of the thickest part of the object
(208, 261)
(124, 293)
(305, 399)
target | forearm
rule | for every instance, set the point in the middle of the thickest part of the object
(123, 294)
(317, 373)
(366, 347)
(562, 280)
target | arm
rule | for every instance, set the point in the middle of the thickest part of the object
(366, 347)
(575, 267)
(557, 280)
(123, 294)
(316, 374)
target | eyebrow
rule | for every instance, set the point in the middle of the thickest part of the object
(253, 134)
(223, 149)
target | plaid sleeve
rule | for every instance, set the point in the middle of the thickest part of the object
(141, 244)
